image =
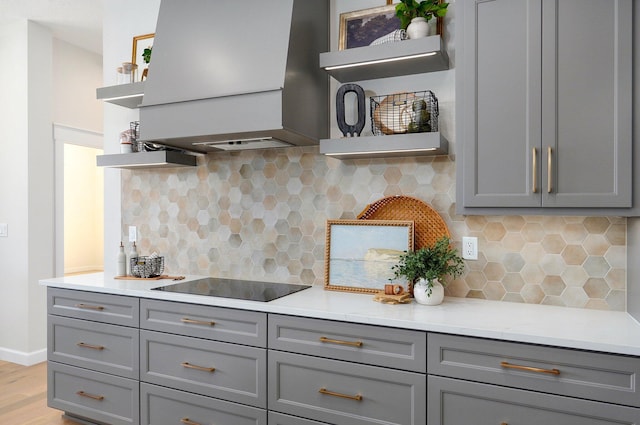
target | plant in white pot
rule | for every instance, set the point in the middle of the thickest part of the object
(415, 15)
(427, 267)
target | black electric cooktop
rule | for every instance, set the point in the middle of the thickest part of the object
(233, 288)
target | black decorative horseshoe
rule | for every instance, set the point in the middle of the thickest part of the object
(347, 129)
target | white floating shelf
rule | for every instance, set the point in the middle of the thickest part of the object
(397, 145)
(127, 95)
(156, 159)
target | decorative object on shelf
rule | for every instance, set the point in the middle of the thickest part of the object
(347, 129)
(144, 44)
(383, 298)
(429, 226)
(392, 37)
(126, 141)
(408, 10)
(134, 129)
(359, 254)
(362, 27)
(129, 72)
(399, 113)
(427, 267)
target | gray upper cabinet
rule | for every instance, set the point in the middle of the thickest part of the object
(544, 105)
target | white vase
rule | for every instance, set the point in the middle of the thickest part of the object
(418, 28)
(421, 292)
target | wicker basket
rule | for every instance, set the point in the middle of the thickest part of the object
(146, 267)
(399, 113)
(428, 224)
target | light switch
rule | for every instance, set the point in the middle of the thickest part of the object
(4, 230)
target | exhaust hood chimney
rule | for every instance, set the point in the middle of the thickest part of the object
(237, 75)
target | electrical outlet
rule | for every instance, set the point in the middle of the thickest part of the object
(133, 234)
(469, 248)
(4, 230)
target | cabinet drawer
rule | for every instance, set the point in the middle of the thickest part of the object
(166, 406)
(220, 324)
(101, 397)
(107, 308)
(375, 345)
(215, 369)
(456, 402)
(343, 393)
(97, 346)
(280, 419)
(594, 376)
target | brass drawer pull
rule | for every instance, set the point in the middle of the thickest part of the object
(90, 307)
(325, 391)
(93, 347)
(198, 322)
(188, 421)
(549, 171)
(196, 367)
(337, 341)
(529, 368)
(534, 170)
(91, 396)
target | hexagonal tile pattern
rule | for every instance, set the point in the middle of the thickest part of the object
(262, 215)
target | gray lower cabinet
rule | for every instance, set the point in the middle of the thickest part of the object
(280, 419)
(458, 402)
(92, 353)
(544, 105)
(93, 396)
(481, 381)
(160, 405)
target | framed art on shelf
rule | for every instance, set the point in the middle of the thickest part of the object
(141, 52)
(361, 27)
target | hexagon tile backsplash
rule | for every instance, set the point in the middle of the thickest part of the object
(261, 215)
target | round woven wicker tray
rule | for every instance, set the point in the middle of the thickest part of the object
(428, 224)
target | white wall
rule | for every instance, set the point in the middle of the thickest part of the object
(123, 20)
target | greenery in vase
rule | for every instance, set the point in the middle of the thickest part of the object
(406, 10)
(429, 263)
(146, 55)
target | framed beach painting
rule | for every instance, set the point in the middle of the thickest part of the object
(361, 27)
(359, 253)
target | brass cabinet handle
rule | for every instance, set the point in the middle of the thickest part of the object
(549, 173)
(90, 307)
(534, 172)
(187, 421)
(198, 322)
(93, 347)
(203, 368)
(340, 342)
(91, 396)
(529, 368)
(325, 391)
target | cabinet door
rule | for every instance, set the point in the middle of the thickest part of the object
(498, 90)
(586, 103)
(457, 402)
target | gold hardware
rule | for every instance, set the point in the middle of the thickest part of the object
(203, 368)
(534, 160)
(337, 341)
(529, 368)
(325, 391)
(90, 307)
(187, 421)
(93, 347)
(197, 322)
(91, 396)
(549, 185)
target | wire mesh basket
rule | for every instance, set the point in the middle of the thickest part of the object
(147, 266)
(136, 145)
(399, 113)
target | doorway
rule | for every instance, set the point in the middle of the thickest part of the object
(79, 198)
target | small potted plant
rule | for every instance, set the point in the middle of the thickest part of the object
(146, 57)
(427, 267)
(415, 16)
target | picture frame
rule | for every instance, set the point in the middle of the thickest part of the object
(359, 254)
(360, 27)
(141, 42)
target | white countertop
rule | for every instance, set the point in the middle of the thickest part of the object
(607, 331)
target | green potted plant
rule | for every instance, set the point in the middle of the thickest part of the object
(427, 267)
(415, 16)
(146, 57)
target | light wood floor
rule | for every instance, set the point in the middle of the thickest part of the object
(23, 396)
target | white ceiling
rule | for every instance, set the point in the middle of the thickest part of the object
(78, 22)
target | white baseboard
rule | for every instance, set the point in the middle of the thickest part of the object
(22, 358)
